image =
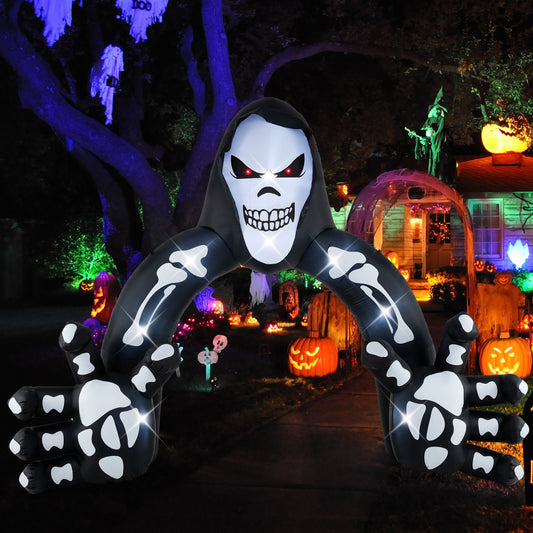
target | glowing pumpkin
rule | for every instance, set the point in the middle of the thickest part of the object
(489, 267)
(234, 320)
(504, 138)
(217, 307)
(525, 323)
(479, 265)
(87, 285)
(106, 290)
(313, 356)
(250, 320)
(506, 355)
(393, 258)
(405, 273)
(503, 277)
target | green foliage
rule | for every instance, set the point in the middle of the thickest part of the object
(300, 278)
(79, 253)
(524, 281)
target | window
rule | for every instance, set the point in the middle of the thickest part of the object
(487, 219)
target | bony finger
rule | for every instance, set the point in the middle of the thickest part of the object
(387, 367)
(497, 427)
(487, 464)
(155, 369)
(82, 355)
(452, 353)
(34, 402)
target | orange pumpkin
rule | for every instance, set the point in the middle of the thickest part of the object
(87, 285)
(313, 356)
(506, 355)
(393, 258)
(525, 323)
(106, 290)
(405, 273)
(489, 267)
(479, 265)
(503, 277)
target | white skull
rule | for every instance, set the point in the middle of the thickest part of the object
(269, 171)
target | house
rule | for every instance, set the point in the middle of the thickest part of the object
(498, 192)
(423, 221)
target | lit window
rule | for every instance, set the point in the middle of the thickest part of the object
(487, 219)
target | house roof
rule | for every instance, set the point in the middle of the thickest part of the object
(480, 175)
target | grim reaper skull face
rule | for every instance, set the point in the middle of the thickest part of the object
(269, 171)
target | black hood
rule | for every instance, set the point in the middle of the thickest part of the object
(220, 213)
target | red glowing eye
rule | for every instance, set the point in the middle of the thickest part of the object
(288, 170)
(247, 171)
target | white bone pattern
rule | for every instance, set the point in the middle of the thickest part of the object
(168, 276)
(446, 390)
(366, 276)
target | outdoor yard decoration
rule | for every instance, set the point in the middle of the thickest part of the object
(405, 273)
(513, 135)
(518, 252)
(479, 265)
(87, 285)
(105, 76)
(328, 316)
(525, 323)
(313, 356)
(106, 291)
(393, 258)
(503, 277)
(288, 298)
(209, 357)
(266, 208)
(506, 355)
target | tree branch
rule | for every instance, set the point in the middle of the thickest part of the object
(197, 84)
(295, 53)
(218, 55)
(41, 91)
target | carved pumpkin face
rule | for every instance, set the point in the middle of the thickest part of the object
(489, 267)
(479, 265)
(506, 356)
(87, 285)
(312, 357)
(405, 273)
(106, 289)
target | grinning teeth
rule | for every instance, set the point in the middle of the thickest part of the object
(273, 220)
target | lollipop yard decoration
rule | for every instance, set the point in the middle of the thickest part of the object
(210, 357)
(266, 208)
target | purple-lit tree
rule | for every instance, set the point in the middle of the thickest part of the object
(228, 53)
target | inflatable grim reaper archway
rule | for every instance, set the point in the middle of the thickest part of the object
(266, 208)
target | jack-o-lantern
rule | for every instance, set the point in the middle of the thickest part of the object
(393, 258)
(405, 273)
(217, 307)
(313, 356)
(234, 319)
(525, 323)
(506, 355)
(479, 265)
(489, 267)
(503, 277)
(87, 285)
(106, 290)
(250, 320)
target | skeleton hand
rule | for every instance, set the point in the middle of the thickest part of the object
(429, 419)
(108, 427)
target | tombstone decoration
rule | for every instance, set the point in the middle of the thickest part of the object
(266, 208)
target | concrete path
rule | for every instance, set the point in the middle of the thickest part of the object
(319, 468)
